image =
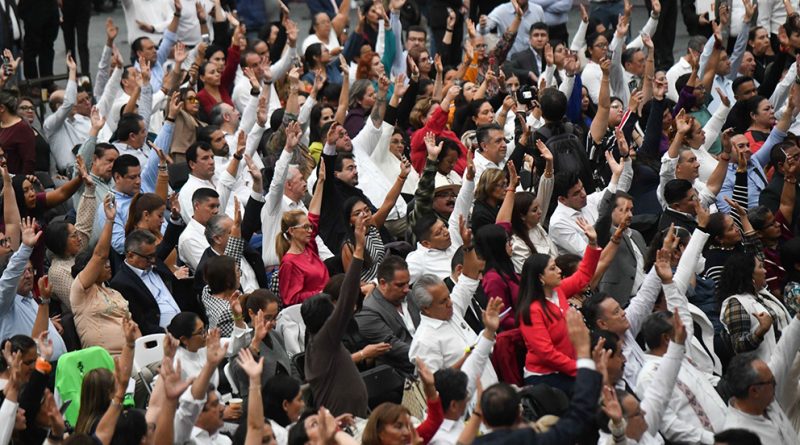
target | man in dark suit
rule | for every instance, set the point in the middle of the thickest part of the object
(528, 65)
(147, 283)
(231, 237)
(681, 198)
(500, 403)
(387, 317)
(771, 196)
(626, 272)
(11, 29)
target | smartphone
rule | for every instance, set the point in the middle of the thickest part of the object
(113, 200)
(6, 66)
(65, 406)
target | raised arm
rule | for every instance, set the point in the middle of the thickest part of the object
(341, 110)
(600, 121)
(379, 218)
(316, 200)
(88, 276)
(507, 208)
(255, 409)
(10, 211)
(122, 374)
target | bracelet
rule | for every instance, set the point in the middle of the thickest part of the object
(510, 189)
(176, 14)
(448, 30)
(162, 168)
(238, 317)
(43, 300)
(237, 156)
(54, 437)
(726, 158)
(790, 181)
(615, 240)
(362, 356)
(170, 119)
(468, 248)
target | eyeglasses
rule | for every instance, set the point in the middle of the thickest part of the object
(192, 100)
(307, 227)
(766, 382)
(149, 258)
(481, 46)
(26, 108)
(601, 45)
(201, 332)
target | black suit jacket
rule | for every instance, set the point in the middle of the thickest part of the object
(142, 304)
(524, 62)
(670, 216)
(250, 255)
(771, 197)
(569, 428)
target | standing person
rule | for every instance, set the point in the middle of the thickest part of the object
(16, 137)
(76, 15)
(41, 29)
(10, 27)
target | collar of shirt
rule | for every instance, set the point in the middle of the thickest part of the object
(140, 272)
(292, 205)
(435, 323)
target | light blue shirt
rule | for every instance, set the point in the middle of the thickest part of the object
(17, 312)
(756, 179)
(166, 303)
(157, 69)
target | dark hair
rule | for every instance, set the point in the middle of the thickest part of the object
(191, 152)
(220, 274)
(458, 259)
(19, 343)
(136, 46)
(315, 133)
(741, 375)
(490, 244)
(182, 325)
(350, 230)
(422, 228)
(137, 238)
(81, 260)
(627, 57)
(737, 436)
(591, 308)
(790, 256)
(739, 81)
(472, 111)
(18, 184)
(204, 135)
(751, 106)
(451, 384)
(522, 203)
(655, 245)
(338, 163)
(777, 155)
(531, 289)
(142, 202)
(611, 340)
(131, 427)
(482, 132)
(123, 163)
(563, 183)
(568, 263)
(654, 327)
(56, 236)
(541, 26)
(9, 100)
(715, 228)
(758, 216)
(315, 312)
(390, 265)
(256, 300)
(675, 190)
(680, 82)
(737, 276)
(101, 147)
(418, 28)
(313, 50)
(500, 405)
(553, 104)
(277, 389)
(203, 194)
(128, 123)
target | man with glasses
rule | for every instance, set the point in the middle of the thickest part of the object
(761, 389)
(147, 283)
(18, 309)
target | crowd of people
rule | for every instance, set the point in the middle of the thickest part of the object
(438, 222)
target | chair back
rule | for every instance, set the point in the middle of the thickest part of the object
(149, 349)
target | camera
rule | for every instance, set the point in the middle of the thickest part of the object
(527, 94)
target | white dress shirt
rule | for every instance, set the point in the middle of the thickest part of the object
(774, 428)
(192, 243)
(424, 260)
(681, 423)
(188, 189)
(640, 307)
(441, 343)
(8, 415)
(142, 154)
(64, 131)
(503, 15)
(448, 432)
(147, 11)
(186, 433)
(679, 69)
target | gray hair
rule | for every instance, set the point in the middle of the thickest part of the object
(357, 91)
(217, 114)
(214, 227)
(293, 170)
(136, 239)
(741, 374)
(420, 294)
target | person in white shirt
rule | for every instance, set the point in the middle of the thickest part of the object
(442, 335)
(131, 135)
(200, 158)
(502, 16)
(192, 242)
(573, 203)
(286, 191)
(198, 419)
(456, 387)
(764, 391)
(693, 48)
(69, 124)
(492, 148)
(643, 416)
(145, 11)
(602, 311)
(437, 242)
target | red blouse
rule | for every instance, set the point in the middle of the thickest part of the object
(438, 125)
(303, 275)
(547, 339)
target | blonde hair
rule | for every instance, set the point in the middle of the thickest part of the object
(283, 239)
(419, 113)
(489, 179)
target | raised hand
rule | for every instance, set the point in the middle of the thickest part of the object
(663, 265)
(109, 208)
(764, 323)
(174, 386)
(513, 177)
(45, 288)
(611, 406)
(248, 364)
(79, 164)
(470, 171)
(319, 80)
(622, 143)
(426, 376)
(180, 54)
(616, 167)
(588, 230)
(491, 316)
(260, 330)
(344, 66)
(72, 67)
(362, 223)
(432, 147)
(29, 234)
(605, 66)
(405, 168)
(97, 120)
(600, 355)
(111, 31)
(170, 346)
(656, 5)
(131, 330)
(235, 304)
(679, 333)
(215, 351)
(174, 204)
(584, 13)
(45, 345)
(578, 333)
(702, 214)
(464, 230)
(293, 134)
(647, 41)
(400, 86)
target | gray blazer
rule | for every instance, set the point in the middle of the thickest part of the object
(378, 321)
(276, 361)
(620, 276)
